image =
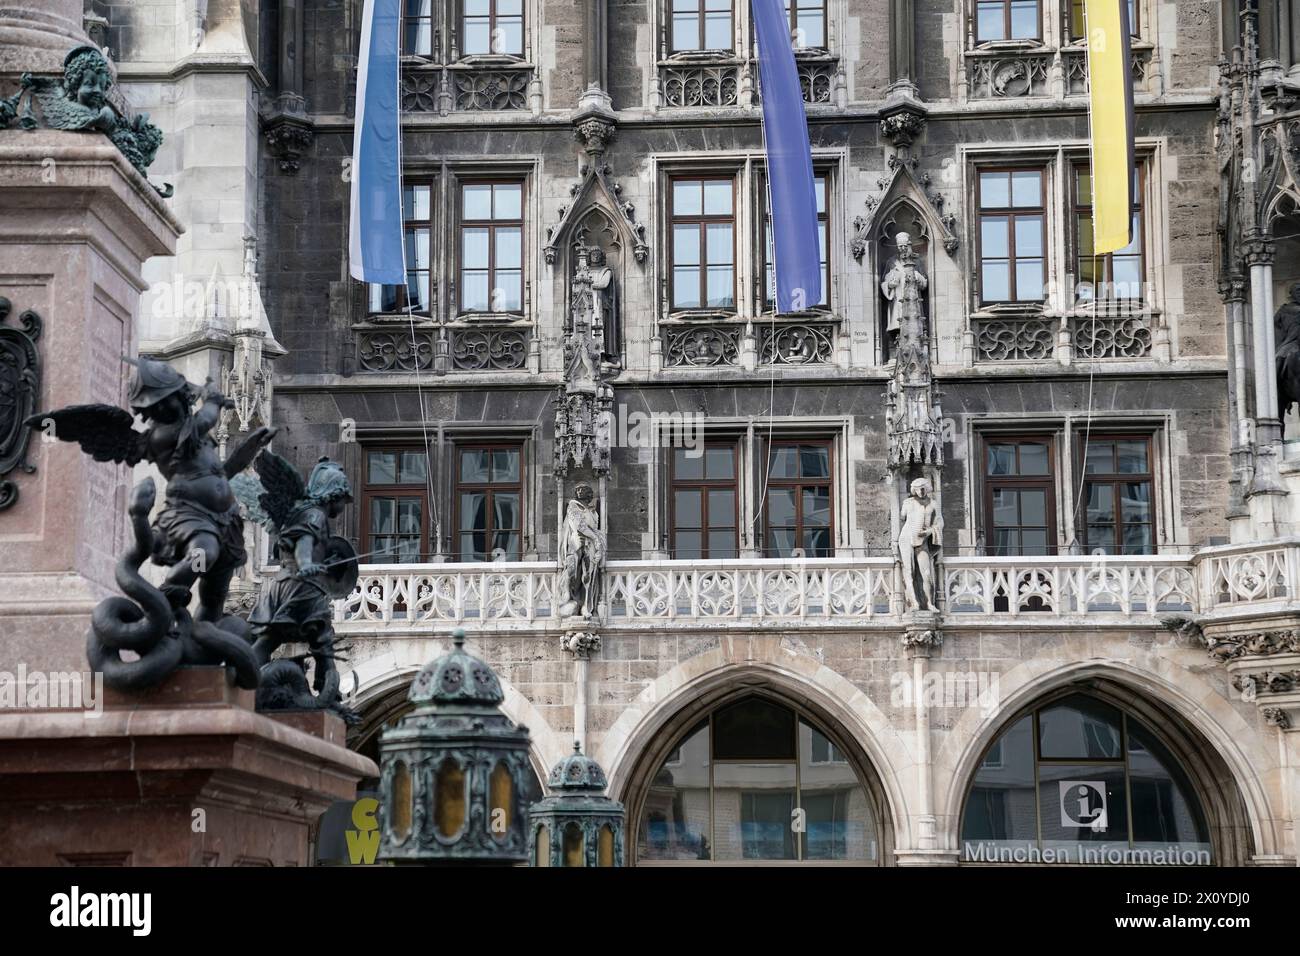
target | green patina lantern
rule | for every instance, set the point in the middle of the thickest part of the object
(454, 772)
(577, 825)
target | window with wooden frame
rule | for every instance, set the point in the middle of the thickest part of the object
(417, 221)
(492, 27)
(1019, 495)
(1118, 494)
(417, 28)
(807, 23)
(1012, 213)
(489, 502)
(492, 246)
(702, 220)
(701, 25)
(1008, 20)
(395, 504)
(1115, 276)
(820, 187)
(797, 507)
(703, 508)
(1077, 26)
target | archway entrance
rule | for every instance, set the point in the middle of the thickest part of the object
(1097, 775)
(755, 778)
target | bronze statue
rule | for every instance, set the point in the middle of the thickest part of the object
(79, 101)
(316, 568)
(1286, 331)
(198, 535)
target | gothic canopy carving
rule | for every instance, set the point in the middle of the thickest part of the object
(902, 185)
(597, 189)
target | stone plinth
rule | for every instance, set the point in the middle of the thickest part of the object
(76, 224)
(127, 787)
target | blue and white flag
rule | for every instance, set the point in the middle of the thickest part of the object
(375, 229)
(796, 247)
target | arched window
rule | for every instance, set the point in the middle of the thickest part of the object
(1079, 780)
(757, 780)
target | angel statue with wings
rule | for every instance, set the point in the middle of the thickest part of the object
(316, 568)
(199, 533)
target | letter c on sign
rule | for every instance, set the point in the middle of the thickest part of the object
(363, 813)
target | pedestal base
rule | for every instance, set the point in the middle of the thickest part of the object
(185, 775)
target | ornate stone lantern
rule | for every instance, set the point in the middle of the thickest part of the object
(454, 772)
(577, 825)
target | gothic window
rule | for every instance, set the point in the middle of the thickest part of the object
(1087, 782)
(1012, 231)
(492, 27)
(701, 25)
(489, 495)
(797, 504)
(395, 504)
(1117, 494)
(491, 246)
(1113, 276)
(417, 218)
(1008, 20)
(417, 28)
(703, 251)
(1019, 495)
(703, 509)
(823, 240)
(737, 781)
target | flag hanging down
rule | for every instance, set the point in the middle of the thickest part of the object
(796, 250)
(375, 221)
(1110, 118)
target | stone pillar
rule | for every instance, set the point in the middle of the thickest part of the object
(76, 222)
(35, 37)
(902, 46)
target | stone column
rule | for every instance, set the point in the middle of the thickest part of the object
(35, 37)
(902, 46)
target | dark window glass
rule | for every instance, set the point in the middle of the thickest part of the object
(417, 28)
(1118, 495)
(489, 502)
(1019, 496)
(1080, 776)
(394, 506)
(701, 25)
(703, 501)
(729, 787)
(798, 502)
(1007, 20)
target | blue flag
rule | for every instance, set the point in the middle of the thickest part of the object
(375, 221)
(796, 250)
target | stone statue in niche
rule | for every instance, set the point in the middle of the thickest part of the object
(604, 301)
(904, 287)
(582, 555)
(1286, 331)
(920, 531)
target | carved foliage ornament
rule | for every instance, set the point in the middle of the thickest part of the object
(1254, 644)
(20, 384)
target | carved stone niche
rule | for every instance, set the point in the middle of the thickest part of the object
(597, 230)
(901, 217)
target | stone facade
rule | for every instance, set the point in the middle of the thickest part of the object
(902, 132)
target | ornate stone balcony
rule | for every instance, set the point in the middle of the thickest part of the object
(850, 593)
(468, 86)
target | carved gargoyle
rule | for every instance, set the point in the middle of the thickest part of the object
(198, 535)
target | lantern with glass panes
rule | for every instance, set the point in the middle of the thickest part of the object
(454, 772)
(577, 825)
